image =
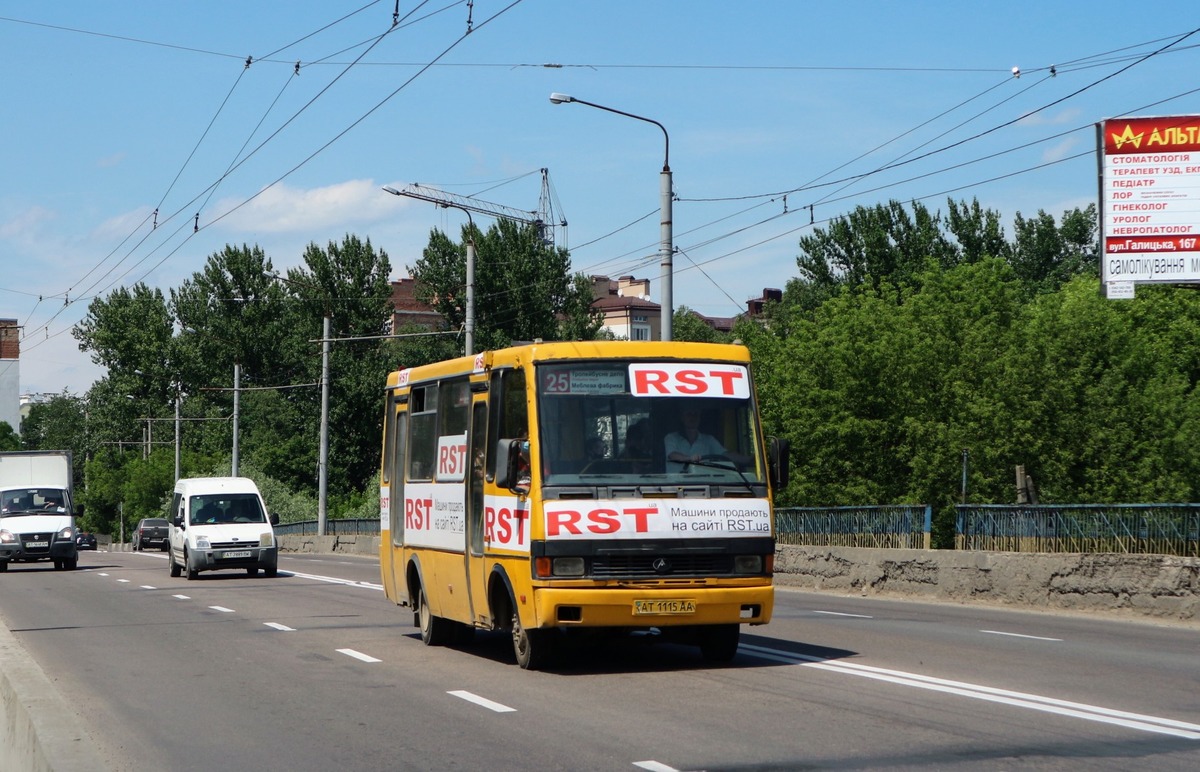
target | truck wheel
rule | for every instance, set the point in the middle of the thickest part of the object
(3, 566)
(435, 631)
(58, 565)
(533, 648)
(71, 563)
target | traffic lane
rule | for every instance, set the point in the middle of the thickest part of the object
(234, 692)
(645, 728)
(1138, 666)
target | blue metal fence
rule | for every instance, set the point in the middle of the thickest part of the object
(900, 526)
(1159, 529)
(364, 527)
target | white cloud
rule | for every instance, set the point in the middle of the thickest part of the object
(284, 209)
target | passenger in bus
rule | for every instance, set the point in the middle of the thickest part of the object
(637, 447)
(596, 449)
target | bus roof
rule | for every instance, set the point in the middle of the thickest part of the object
(566, 350)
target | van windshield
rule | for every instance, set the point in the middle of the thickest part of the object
(226, 508)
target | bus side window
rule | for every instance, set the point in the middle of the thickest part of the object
(422, 446)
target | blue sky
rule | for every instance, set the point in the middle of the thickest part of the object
(114, 110)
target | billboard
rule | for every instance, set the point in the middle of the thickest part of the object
(1149, 201)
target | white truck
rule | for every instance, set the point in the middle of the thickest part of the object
(37, 508)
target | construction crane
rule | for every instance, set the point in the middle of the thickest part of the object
(468, 204)
(543, 218)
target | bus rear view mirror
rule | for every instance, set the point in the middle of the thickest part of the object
(512, 465)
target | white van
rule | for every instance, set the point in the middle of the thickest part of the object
(221, 522)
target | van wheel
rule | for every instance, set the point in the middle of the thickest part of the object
(3, 566)
(719, 643)
(252, 571)
(176, 570)
(192, 573)
(58, 565)
(435, 630)
(71, 564)
(533, 648)
(271, 571)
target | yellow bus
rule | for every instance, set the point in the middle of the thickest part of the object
(601, 486)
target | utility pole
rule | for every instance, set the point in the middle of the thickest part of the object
(323, 460)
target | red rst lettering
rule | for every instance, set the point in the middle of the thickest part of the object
(415, 511)
(563, 519)
(647, 378)
(640, 515)
(604, 521)
(691, 382)
(727, 377)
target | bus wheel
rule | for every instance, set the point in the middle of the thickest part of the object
(534, 648)
(435, 631)
(719, 643)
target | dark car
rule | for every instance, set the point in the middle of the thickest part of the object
(151, 532)
(85, 540)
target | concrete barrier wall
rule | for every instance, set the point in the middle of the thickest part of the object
(1160, 586)
(39, 732)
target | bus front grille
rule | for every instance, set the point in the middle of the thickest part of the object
(659, 566)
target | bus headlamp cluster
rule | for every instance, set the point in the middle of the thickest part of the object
(747, 564)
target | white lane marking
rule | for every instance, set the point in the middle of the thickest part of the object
(358, 655)
(482, 701)
(182, 597)
(101, 573)
(222, 609)
(1019, 635)
(841, 614)
(990, 694)
(149, 587)
(335, 580)
(654, 766)
(281, 628)
(123, 581)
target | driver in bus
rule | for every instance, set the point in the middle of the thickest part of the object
(689, 444)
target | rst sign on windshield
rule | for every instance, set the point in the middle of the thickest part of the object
(689, 380)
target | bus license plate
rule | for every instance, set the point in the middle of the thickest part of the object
(238, 554)
(37, 544)
(664, 607)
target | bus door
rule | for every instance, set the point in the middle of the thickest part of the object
(476, 472)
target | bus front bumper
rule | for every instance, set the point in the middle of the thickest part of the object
(653, 607)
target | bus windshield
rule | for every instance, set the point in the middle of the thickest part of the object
(638, 422)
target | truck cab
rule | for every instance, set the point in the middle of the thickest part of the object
(37, 509)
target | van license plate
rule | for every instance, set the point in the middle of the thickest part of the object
(664, 607)
(37, 544)
(238, 554)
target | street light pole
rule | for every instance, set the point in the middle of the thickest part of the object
(667, 246)
(237, 390)
(469, 321)
(323, 459)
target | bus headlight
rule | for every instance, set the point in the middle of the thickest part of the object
(568, 567)
(747, 564)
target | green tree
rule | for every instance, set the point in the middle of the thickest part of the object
(1046, 254)
(523, 287)
(687, 325)
(9, 439)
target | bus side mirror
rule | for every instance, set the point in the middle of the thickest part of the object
(509, 465)
(778, 461)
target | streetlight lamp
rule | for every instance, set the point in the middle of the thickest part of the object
(667, 247)
(469, 323)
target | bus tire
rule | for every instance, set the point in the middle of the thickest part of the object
(719, 643)
(435, 631)
(533, 648)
